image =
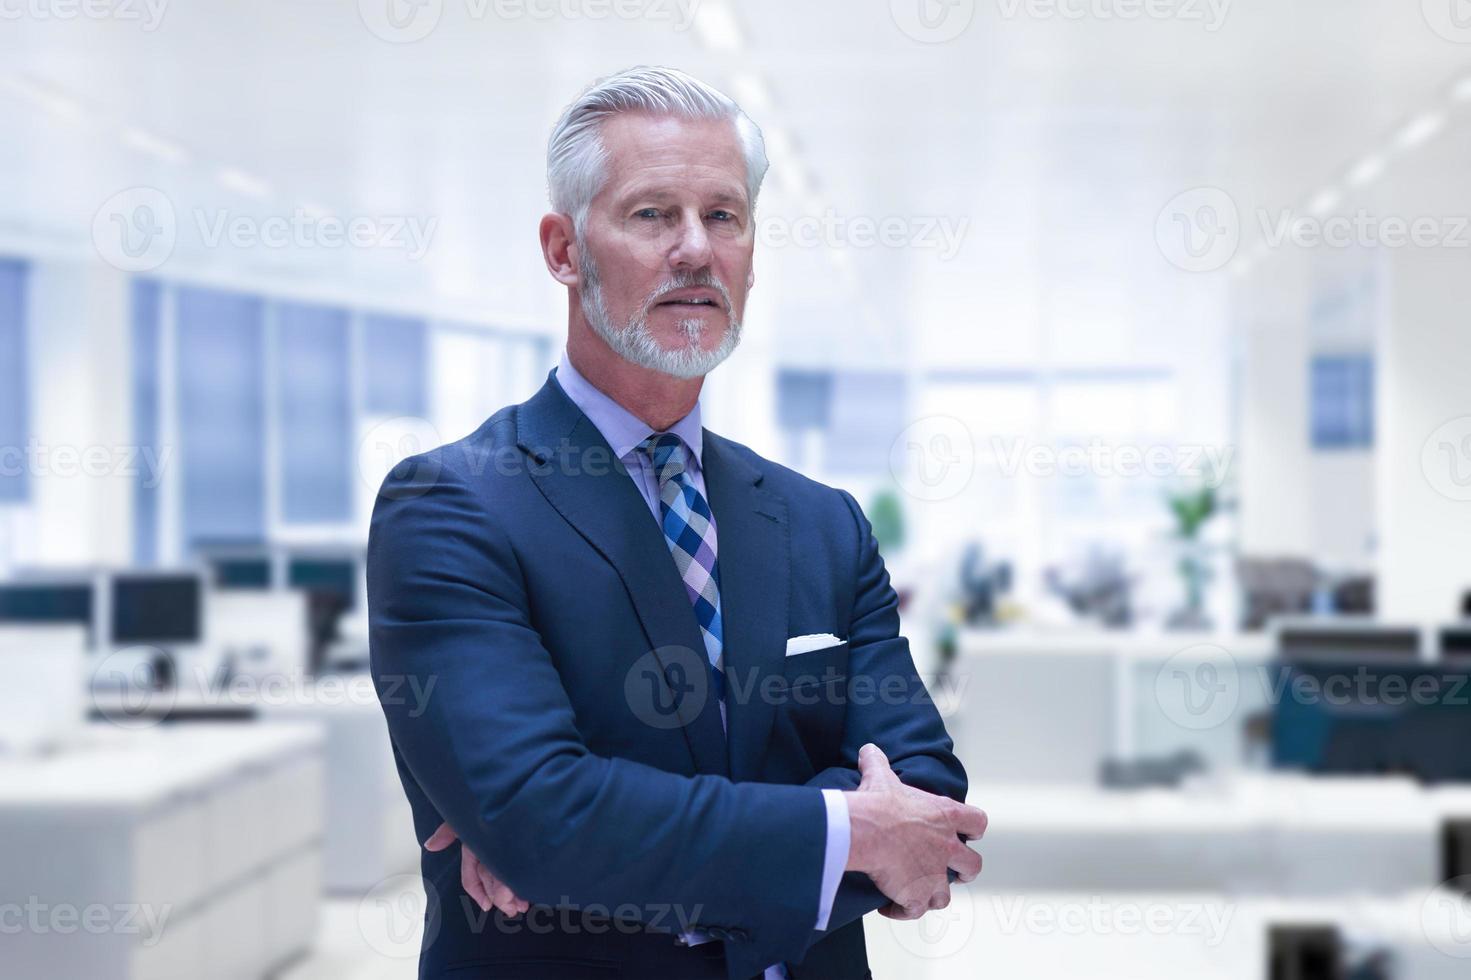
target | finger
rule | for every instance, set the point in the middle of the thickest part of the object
(505, 899)
(892, 911)
(470, 878)
(969, 822)
(940, 899)
(441, 838)
(965, 861)
(873, 766)
(491, 884)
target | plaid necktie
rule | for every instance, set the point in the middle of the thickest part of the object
(690, 535)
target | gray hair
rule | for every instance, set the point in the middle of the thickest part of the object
(576, 157)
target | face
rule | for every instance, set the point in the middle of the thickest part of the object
(665, 253)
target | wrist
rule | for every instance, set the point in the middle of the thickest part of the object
(864, 828)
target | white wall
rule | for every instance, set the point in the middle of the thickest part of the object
(81, 416)
(1276, 480)
(1425, 358)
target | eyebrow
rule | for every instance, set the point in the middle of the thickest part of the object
(722, 198)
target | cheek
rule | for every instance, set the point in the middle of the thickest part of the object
(734, 267)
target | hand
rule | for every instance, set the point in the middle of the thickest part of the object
(906, 840)
(484, 887)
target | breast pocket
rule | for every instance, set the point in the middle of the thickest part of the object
(814, 701)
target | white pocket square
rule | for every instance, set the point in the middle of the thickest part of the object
(809, 642)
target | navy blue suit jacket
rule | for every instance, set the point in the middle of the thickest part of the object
(538, 662)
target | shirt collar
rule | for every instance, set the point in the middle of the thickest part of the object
(623, 430)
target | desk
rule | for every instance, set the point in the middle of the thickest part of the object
(1258, 835)
(370, 826)
(1153, 936)
(189, 850)
(1040, 706)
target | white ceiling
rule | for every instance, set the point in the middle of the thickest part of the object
(1055, 141)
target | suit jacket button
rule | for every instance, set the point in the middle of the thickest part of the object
(719, 932)
(739, 935)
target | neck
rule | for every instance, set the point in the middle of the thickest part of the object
(659, 399)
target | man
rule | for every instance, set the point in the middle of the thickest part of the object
(663, 673)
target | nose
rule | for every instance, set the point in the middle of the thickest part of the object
(692, 244)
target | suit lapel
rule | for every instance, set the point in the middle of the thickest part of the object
(576, 471)
(754, 554)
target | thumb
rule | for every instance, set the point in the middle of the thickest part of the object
(873, 766)
(441, 838)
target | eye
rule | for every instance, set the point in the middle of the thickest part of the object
(720, 215)
(646, 213)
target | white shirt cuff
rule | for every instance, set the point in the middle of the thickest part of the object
(835, 859)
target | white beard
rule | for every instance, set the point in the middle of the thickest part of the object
(636, 343)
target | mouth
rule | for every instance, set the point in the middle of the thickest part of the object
(692, 299)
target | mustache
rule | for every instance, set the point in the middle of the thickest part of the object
(689, 280)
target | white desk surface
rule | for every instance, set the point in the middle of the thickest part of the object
(1367, 806)
(112, 767)
(1142, 644)
(1142, 936)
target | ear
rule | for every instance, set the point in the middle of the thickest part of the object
(559, 248)
(751, 277)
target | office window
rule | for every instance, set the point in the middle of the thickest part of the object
(14, 408)
(220, 379)
(1343, 401)
(314, 413)
(147, 432)
(395, 366)
(803, 399)
(867, 416)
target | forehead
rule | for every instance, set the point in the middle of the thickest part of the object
(666, 153)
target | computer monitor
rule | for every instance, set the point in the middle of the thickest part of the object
(41, 602)
(326, 574)
(1372, 716)
(241, 572)
(1340, 638)
(331, 585)
(157, 609)
(1455, 643)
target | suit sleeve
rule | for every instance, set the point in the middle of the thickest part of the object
(903, 722)
(494, 746)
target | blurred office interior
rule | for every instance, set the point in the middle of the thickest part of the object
(1138, 329)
